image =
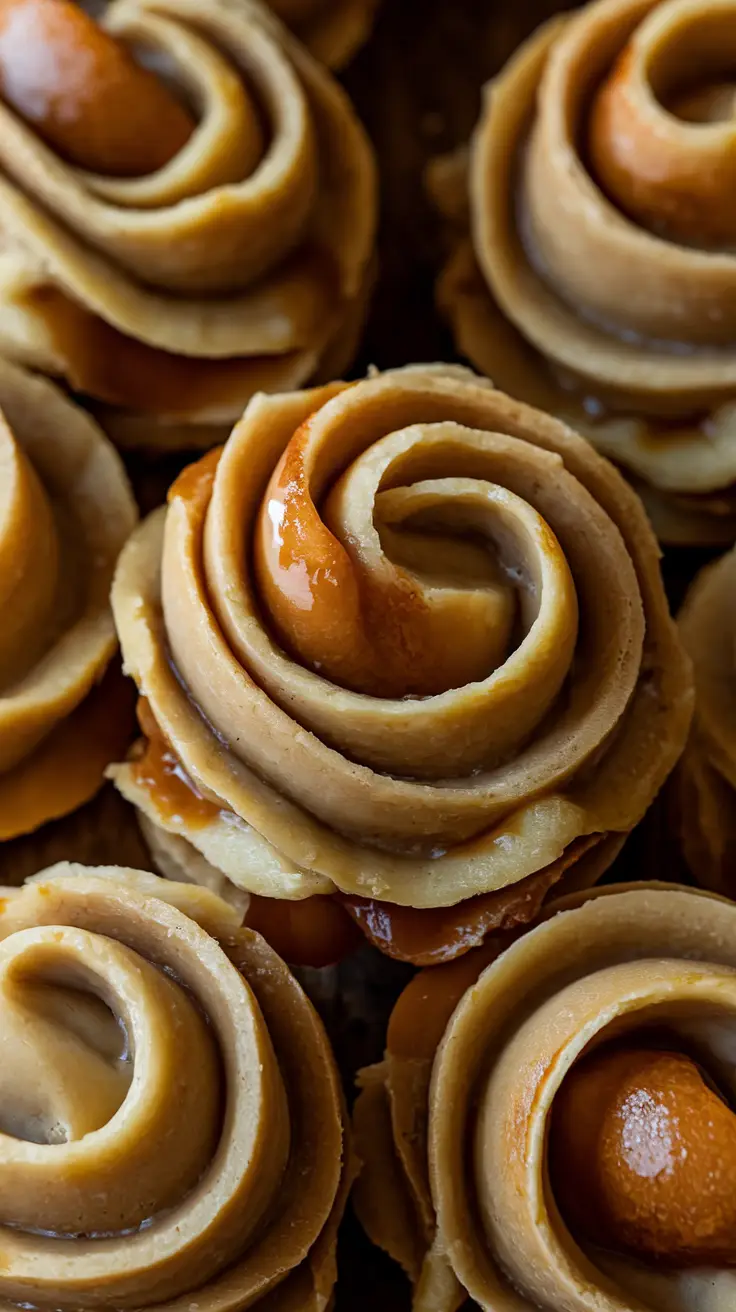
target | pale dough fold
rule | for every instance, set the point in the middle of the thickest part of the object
(577, 295)
(173, 1128)
(65, 511)
(467, 532)
(333, 30)
(452, 1126)
(705, 792)
(243, 265)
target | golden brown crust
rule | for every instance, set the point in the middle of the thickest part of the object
(477, 1052)
(312, 786)
(603, 293)
(65, 511)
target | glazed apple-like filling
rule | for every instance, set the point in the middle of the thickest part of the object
(188, 211)
(408, 639)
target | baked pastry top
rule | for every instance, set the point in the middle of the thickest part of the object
(187, 215)
(403, 642)
(593, 265)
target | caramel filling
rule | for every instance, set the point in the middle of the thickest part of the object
(314, 932)
(658, 178)
(60, 727)
(431, 936)
(112, 367)
(422, 1012)
(84, 93)
(642, 1157)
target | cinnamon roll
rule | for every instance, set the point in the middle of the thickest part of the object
(65, 511)
(172, 1118)
(187, 210)
(597, 278)
(554, 1124)
(705, 784)
(402, 643)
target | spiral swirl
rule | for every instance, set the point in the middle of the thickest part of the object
(169, 287)
(172, 1118)
(599, 279)
(331, 29)
(459, 1126)
(406, 639)
(706, 779)
(65, 511)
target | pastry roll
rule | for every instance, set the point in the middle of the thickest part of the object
(404, 643)
(705, 788)
(594, 269)
(331, 29)
(172, 1118)
(187, 215)
(65, 511)
(553, 1125)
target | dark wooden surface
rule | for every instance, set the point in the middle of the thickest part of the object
(417, 87)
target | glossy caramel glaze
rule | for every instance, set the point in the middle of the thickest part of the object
(643, 1157)
(429, 937)
(83, 91)
(365, 629)
(315, 931)
(194, 483)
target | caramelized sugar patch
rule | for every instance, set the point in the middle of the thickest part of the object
(68, 767)
(643, 1156)
(112, 367)
(314, 932)
(159, 770)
